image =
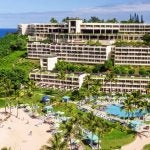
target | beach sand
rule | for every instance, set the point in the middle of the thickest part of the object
(21, 133)
(139, 142)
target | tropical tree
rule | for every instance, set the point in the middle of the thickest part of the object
(146, 39)
(87, 84)
(30, 87)
(19, 94)
(96, 126)
(93, 123)
(110, 77)
(73, 128)
(62, 76)
(96, 88)
(57, 143)
(3, 89)
(53, 20)
(95, 19)
(8, 86)
(114, 20)
(65, 19)
(128, 106)
(148, 88)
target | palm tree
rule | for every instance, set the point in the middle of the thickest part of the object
(72, 129)
(57, 143)
(128, 105)
(8, 86)
(19, 94)
(89, 85)
(62, 76)
(87, 82)
(30, 88)
(3, 88)
(96, 126)
(110, 77)
(95, 89)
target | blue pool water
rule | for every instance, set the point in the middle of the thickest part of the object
(118, 111)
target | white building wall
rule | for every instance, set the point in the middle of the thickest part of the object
(23, 28)
(81, 79)
(41, 62)
(52, 61)
(108, 52)
(78, 25)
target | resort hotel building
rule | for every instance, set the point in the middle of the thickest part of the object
(50, 42)
(76, 30)
(72, 53)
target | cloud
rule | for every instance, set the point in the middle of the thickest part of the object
(120, 11)
(143, 7)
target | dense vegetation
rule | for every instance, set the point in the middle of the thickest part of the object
(11, 43)
(14, 67)
(102, 68)
(129, 43)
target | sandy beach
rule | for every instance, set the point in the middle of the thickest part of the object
(22, 133)
(139, 142)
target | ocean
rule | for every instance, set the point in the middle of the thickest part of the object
(3, 32)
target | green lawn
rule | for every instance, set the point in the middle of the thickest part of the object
(67, 108)
(115, 139)
(2, 103)
(146, 147)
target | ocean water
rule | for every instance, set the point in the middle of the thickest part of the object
(3, 32)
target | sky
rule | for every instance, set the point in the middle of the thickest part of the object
(14, 12)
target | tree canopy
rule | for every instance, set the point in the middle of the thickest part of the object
(53, 20)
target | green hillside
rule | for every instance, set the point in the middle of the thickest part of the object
(14, 65)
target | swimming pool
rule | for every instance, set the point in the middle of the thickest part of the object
(118, 111)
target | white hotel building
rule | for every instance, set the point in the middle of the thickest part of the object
(77, 30)
(123, 84)
(91, 54)
(132, 56)
(49, 79)
(68, 43)
(72, 53)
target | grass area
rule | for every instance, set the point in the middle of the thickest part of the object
(67, 108)
(146, 147)
(2, 103)
(147, 122)
(17, 59)
(115, 139)
(9, 60)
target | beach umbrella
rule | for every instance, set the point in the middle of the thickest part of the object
(45, 99)
(48, 109)
(65, 98)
